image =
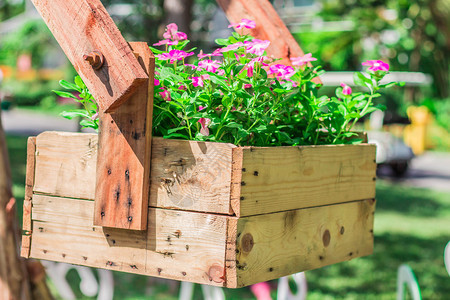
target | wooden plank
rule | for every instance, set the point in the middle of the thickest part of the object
(123, 162)
(178, 245)
(275, 245)
(66, 167)
(83, 26)
(269, 26)
(29, 183)
(286, 178)
(191, 175)
(66, 164)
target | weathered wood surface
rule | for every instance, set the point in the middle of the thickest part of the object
(66, 167)
(178, 245)
(274, 245)
(66, 164)
(29, 183)
(124, 153)
(212, 177)
(82, 26)
(191, 175)
(269, 26)
(286, 178)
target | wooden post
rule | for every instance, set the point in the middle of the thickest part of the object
(96, 49)
(124, 153)
(269, 26)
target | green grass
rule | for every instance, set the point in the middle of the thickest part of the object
(411, 226)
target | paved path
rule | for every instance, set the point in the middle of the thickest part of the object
(24, 122)
(430, 170)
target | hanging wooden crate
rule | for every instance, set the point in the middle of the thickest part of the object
(205, 212)
(219, 214)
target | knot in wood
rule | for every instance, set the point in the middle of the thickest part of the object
(247, 242)
(326, 238)
(216, 273)
(95, 59)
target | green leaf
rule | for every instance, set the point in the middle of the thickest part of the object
(156, 51)
(176, 135)
(65, 94)
(89, 124)
(176, 129)
(361, 80)
(70, 86)
(70, 114)
(79, 82)
(222, 42)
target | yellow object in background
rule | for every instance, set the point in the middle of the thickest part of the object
(415, 135)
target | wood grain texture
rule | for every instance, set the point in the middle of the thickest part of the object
(82, 26)
(275, 245)
(286, 178)
(66, 164)
(178, 245)
(29, 183)
(269, 26)
(191, 175)
(124, 152)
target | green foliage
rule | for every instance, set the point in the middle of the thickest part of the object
(89, 113)
(239, 103)
(28, 93)
(32, 38)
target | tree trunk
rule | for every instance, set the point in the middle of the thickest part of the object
(19, 279)
(179, 12)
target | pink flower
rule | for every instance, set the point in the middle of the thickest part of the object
(166, 42)
(174, 55)
(173, 33)
(257, 47)
(251, 65)
(346, 90)
(201, 55)
(232, 47)
(376, 65)
(281, 71)
(197, 81)
(302, 60)
(165, 94)
(200, 108)
(221, 72)
(182, 87)
(209, 65)
(217, 52)
(204, 122)
(245, 23)
(247, 86)
(156, 82)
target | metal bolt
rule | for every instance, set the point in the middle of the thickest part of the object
(95, 59)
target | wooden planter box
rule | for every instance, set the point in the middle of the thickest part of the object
(219, 214)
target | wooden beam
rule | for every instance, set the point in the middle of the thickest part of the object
(269, 26)
(29, 184)
(184, 174)
(177, 245)
(274, 245)
(124, 153)
(84, 26)
(305, 176)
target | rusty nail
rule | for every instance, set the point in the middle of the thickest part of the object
(95, 59)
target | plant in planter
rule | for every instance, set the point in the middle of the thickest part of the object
(244, 97)
(229, 214)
